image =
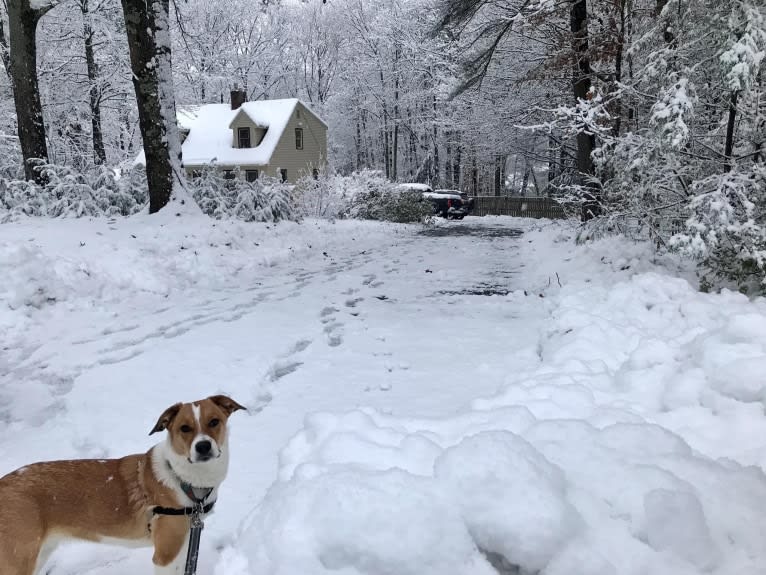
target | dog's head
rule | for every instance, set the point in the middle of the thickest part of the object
(197, 430)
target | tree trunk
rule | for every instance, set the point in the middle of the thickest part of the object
(148, 32)
(760, 121)
(448, 181)
(5, 53)
(729, 146)
(395, 151)
(457, 162)
(551, 159)
(369, 147)
(666, 33)
(581, 83)
(436, 144)
(498, 176)
(22, 28)
(618, 61)
(99, 152)
(525, 179)
(358, 143)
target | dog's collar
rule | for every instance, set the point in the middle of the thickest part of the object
(157, 510)
(197, 494)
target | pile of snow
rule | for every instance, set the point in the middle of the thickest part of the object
(98, 260)
(369, 493)
(631, 447)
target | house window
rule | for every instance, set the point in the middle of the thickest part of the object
(243, 136)
(251, 175)
(298, 138)
(229, 175)
(283, 174)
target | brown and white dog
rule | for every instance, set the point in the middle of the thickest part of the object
(115, 500)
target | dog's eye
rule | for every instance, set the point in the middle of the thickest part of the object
(213, 423)
(185, 429)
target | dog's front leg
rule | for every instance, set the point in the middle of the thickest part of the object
(170, 536)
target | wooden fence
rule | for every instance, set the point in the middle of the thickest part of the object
(520, 207)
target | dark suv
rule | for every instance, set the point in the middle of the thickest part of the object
(467, 202)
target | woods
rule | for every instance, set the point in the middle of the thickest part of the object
(649, 114)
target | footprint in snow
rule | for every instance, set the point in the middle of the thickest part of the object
(300, 345)
(283, 368)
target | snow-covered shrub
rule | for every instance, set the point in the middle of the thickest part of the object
(69, 193)
(222, 194)
(329, 195)
(727, 229)
(366, 195)
(379, 199)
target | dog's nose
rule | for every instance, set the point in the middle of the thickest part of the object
(203, 447)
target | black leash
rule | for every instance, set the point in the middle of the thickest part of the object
(197, 524)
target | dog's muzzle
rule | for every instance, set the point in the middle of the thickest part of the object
(204, 450)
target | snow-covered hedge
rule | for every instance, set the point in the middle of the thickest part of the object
(104, 191)
(68, 193)
(265, 200)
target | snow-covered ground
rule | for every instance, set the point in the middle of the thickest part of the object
(462, 399)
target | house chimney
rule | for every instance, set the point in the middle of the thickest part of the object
(238, 97)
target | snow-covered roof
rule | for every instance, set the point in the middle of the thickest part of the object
(210, 136)
(185, 116)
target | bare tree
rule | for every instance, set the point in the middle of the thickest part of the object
(99, 152)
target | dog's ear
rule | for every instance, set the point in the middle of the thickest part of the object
(166, 418)
(228, 405)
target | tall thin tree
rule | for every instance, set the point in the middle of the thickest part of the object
(22, 28)
(147, 26)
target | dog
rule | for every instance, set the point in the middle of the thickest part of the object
(142, 499)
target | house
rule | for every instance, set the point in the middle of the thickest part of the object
(279, 138)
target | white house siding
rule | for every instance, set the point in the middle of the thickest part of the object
(299, 163)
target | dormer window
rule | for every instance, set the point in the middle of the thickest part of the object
(243, 137)
(298, 138)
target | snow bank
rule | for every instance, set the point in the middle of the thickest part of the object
(626, 498)
(91, 261)
(633, 446)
